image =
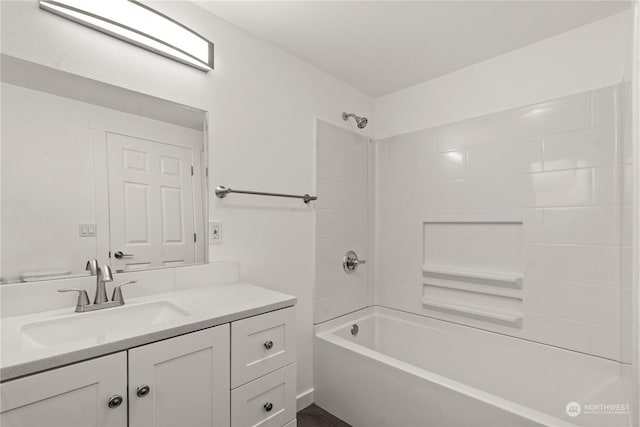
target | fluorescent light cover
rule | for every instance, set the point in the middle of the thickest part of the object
(138, 25)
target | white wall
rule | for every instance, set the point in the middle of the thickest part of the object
(262, 104)
(579, 60)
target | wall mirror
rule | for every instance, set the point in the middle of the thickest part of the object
(91, 170)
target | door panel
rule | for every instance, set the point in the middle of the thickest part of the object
(72, 396)
(188, 380)
(151, 206)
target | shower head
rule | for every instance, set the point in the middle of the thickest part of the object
(360, 121)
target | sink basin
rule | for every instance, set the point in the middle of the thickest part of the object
(95, 327)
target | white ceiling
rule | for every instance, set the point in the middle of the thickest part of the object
(383, 46)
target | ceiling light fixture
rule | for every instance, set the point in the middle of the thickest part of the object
(133, 22)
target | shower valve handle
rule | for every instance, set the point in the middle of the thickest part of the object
(350, 262)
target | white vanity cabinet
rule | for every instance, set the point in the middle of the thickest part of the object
(73, 396)
(263, 370)
(182, 381)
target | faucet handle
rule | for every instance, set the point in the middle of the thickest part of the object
(117, 292)
(92, 266)
(83, 297)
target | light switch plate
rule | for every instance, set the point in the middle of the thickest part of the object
(215, 232)
(87, 230)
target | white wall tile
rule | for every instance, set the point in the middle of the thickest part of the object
(335, 224)
(340, 153)
(329, 252)
(567, 263)
(583, 303)
(505, 158)
(341, 195)
(604, 106)
(627, 268)
(627, 184)
(394, 181)
(562, 188)
(559, 332)
(552, 166)
(547, 118)
(580, 149)
(605, 342)
(447, 166)
(334, 281)
(480, 230)
(342, 219)
(418, 143)
(576, 225)
(339, 304)
(468, 133)
(607, 185)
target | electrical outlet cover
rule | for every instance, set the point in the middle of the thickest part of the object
(215, 232)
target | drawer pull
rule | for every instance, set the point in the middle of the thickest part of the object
(268, 345)
(115, 401)
(268, 406)
(143, 390)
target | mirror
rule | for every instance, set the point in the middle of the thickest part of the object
(91, 170)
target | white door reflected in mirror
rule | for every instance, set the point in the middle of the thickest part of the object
(151, 200)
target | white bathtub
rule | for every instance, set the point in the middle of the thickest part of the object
(407, 370)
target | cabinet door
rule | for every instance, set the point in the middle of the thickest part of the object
(187, 380)
(73, 396)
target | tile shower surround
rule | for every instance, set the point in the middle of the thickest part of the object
(563, 169)
(341, 220)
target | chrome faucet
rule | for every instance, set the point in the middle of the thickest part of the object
(103, 275)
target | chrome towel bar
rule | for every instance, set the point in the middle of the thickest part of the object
(221, 192)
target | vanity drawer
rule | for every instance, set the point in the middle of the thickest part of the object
(262, 344)
(269, 401)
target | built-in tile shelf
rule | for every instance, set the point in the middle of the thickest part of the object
(472, 271)
(508, 280)
(473, 311)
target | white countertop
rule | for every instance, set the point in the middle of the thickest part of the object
(207, 307)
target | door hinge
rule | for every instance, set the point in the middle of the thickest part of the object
(194, 237)
(191, 170)
(206, 172)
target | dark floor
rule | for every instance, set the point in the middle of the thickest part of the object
(315, 416)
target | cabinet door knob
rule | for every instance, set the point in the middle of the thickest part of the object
(268, 406)
(143, 390)
(115, 401)
(268, 345)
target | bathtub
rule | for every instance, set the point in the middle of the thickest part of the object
(407, 370)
